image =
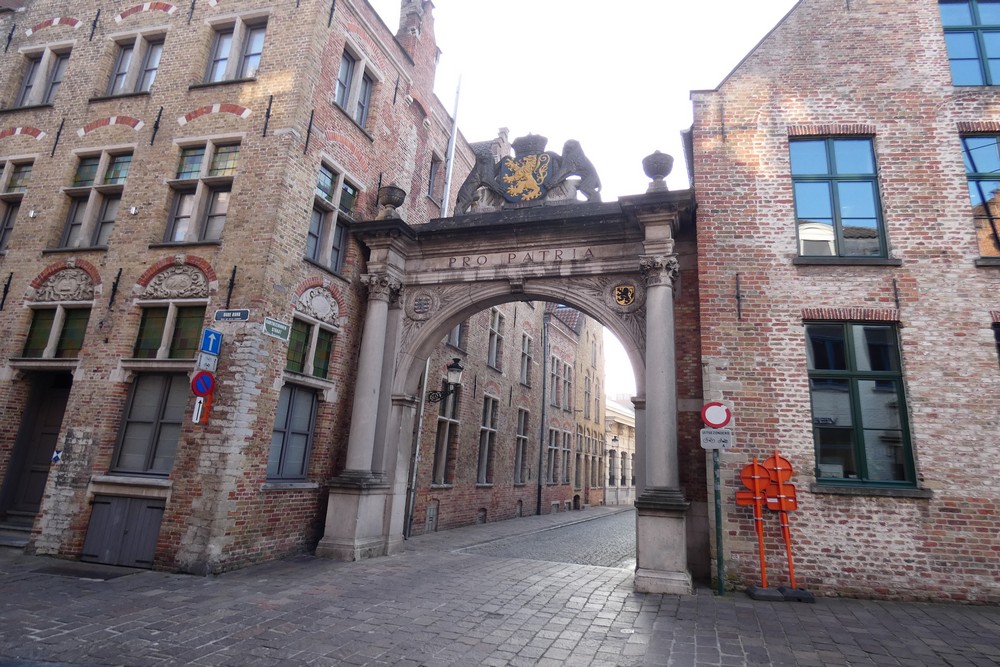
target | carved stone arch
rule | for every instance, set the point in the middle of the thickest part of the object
(318, 299)
(177, 281)
(70, 283)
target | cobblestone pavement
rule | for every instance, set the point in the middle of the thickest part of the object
(446, 602)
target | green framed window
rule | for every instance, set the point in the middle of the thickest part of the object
(309, 349)
(837, 207)
(858, 402)
(56, 333)
(982, 169)
(972, 38)
(291, 438)
(179, 324)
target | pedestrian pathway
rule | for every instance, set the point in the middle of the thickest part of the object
(442, 603)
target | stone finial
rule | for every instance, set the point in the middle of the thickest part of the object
(390, 197)
(657, 166)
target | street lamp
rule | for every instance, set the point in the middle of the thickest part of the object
(454, 380)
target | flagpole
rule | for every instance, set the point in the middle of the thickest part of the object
(450, 158)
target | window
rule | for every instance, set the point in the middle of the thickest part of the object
(567, 387)
(433, 177)
(355, 84)
(593, 352)
(624, 469)
(148, 439)
(996, 336)
(597, 403)
(487, 440)
(446, 439)
(586, 397)
(567, 440)
(43, 75)
(612, 467)
(291, 438)
(171, 331)
(495, 352)
(456, 337)
(526, 360)
(94, 199)
(554, 377)
(858, 404)
(972, 37)
(136, 64)
(334, 197)
(14, 177)
(310, 345)
(236, 51)
(56, 333)
(552, 458)
(982, 167)
(521, 448)
(201, 192)
(836, 198)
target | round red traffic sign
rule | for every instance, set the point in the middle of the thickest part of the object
(203, 383)
(715, 415)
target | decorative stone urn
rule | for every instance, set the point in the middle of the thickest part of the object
(657, 166)
(390, 197)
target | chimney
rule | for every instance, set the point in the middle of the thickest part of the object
(416, 35)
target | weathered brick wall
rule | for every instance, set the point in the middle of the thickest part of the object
(877, 68)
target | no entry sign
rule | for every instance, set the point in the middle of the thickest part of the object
(716, 415)
(203, 383)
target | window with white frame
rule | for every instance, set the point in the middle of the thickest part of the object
(495, 352)
(586, 397)
(136, 62)
(14, 177)
(552, 458)
(526, 359)
(310, 345)
(446, 438)
(597, 402)
(57, 331)
(593, 352)
(94, 199)
(567, 446)
(456, 336)
(521, 448)
(554, 377)
(236, 49)
(43, 75)
(355, 85)
(291, 437)
(170, 329)
(334, 198)
(202, 188)
(567, 387)
(487, 440)
(150, 430)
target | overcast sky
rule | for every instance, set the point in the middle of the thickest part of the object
(616, 76)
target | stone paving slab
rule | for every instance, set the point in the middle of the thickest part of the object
(441, 602)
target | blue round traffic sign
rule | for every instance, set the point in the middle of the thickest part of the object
(203, 383)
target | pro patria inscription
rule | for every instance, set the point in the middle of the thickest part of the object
(520, 257)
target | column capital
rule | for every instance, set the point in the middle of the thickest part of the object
(660, 269)
(381, 286)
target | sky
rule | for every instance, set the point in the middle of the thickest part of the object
(615, 76)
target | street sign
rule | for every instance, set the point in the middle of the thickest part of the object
(199, 408)
(277, 328)
(203, 383)
(717, 438)
(207, 362)
(716, 415)
(211, 341)
(232, 315)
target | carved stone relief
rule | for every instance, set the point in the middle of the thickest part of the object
(70, 284)
(177, 282)
(319, 304)
(660, 270)
(382, 287)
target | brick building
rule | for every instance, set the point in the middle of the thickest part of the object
(620, 443)
(848, 292)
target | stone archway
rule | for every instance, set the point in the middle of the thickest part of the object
(616, 262)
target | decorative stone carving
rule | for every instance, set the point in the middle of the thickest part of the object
(381, 286)
(422, 304)
(71, 284)
(390, 198)
(625, 295)
(660, 270)
(177, 282)
(318, 303)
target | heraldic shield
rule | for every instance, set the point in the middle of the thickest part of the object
(526, 178)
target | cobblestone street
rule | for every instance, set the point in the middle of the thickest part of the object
(483, 595)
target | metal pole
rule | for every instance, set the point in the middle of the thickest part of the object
(450, 158)
(720, 561)
(411, 499)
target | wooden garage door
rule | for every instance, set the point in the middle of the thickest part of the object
(123, 531)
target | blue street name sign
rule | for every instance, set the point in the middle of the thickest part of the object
(211, 341)
(234, 315)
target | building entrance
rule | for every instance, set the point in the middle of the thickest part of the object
(619, 263)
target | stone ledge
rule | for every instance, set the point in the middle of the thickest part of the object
(827, 489)
(131, 486)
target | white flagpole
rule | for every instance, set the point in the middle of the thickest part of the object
(450, 158)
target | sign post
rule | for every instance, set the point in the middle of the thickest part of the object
(715, 415)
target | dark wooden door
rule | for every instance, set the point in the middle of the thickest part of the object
(39, 434)
(123, 531)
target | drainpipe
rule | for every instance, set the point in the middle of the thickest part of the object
(545, 402)
(411, 497)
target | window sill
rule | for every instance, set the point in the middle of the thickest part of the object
(434, 201)
(324, 267)
(488, 485)
(442, 487)
(33, 107)
(988, 261)
(354, 122)
(311, 381)
(120, 96)
(227, 82)
(846, 261)
(43, 364)
(289, 486)
(56, 251)
(880, 491)
(179, 365)
(174, 244)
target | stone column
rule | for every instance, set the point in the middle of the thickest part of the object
(364, 414)
(661, 535)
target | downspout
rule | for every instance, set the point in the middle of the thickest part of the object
(545, 401)
(411, 495)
